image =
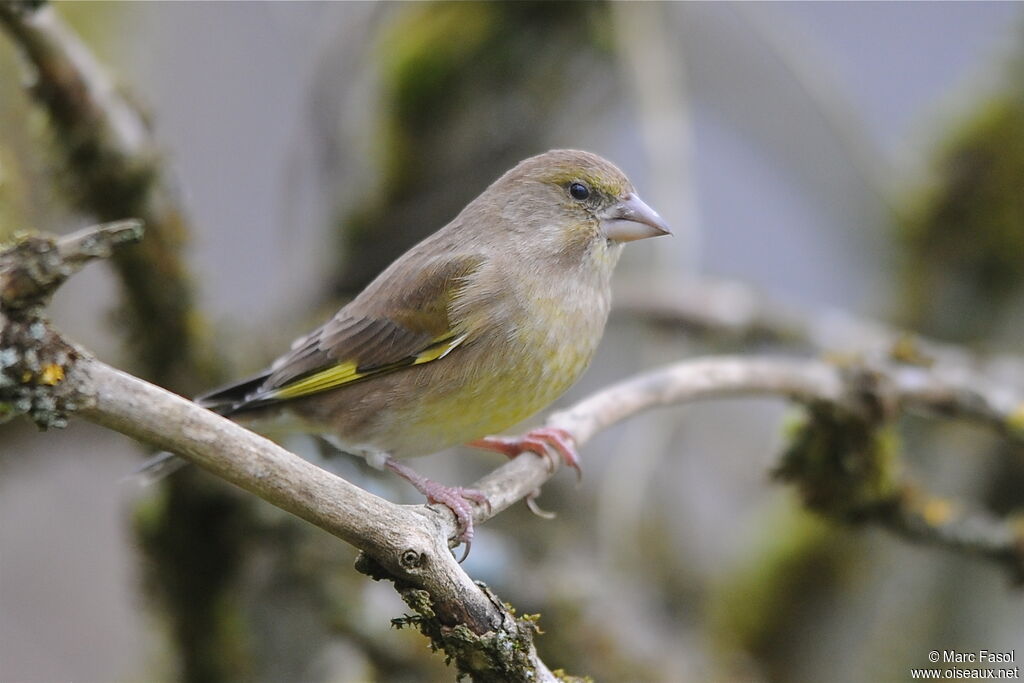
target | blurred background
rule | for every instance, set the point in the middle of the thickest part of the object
(867, 157)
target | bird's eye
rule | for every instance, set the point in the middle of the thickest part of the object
(579, 191)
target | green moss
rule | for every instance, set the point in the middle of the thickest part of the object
(963, 235)
(194, 534)
(467, 89)
(561, 675)
(442, 58)
(493, 656)
(423, 62)
(34, 361)
(843, 465)
(761, 608)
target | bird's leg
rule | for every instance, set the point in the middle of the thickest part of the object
(455, 498)
(537, 441)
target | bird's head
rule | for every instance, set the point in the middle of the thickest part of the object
(569, 202)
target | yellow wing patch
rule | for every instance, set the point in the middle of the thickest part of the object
(348, 372)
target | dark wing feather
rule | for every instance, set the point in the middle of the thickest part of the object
(225, 399)
(368, 343)
(390, 325)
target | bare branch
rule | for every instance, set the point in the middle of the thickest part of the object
(698, 379)
(924, 390)
(690, 380)
(408, 540)
(865, 397)
(26, 282)
(730, 309)
(155, 416)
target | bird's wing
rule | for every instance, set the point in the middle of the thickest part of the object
(393, 324)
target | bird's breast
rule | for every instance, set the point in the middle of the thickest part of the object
(534, 350)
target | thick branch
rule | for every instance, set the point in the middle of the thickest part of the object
(408, 542)
(393, 534)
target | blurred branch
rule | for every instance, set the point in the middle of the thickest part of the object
(655, 73)
(806, 66)
(112, 169)
(732, 310)
(433, 89)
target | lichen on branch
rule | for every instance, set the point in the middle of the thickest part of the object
(34, 359)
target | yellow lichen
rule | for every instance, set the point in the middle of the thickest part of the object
(937, 511)
(51, 374)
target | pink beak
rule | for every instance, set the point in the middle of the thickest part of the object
(631, 219)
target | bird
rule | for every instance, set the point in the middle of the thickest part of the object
(474, 329)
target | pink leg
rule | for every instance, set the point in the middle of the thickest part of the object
(455, 498)
(537, 441)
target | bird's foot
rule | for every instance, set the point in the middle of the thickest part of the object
(540, 441)
(456, 498)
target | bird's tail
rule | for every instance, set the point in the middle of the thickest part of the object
(155, 468)
(232, 398)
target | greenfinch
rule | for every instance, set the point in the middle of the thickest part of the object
(474, 329)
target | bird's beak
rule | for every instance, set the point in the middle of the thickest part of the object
(630, 219)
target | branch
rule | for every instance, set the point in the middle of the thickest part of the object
(112, 169)
(858, 400)
(110, 166)
(730, 309)
(858, 393)
(45, 377)
(839, 458)
(401, 538)
(32, 269)
(406, 544)
(927, 391)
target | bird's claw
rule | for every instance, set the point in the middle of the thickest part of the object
(531, 502)
(540, 441)
(455, 498)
